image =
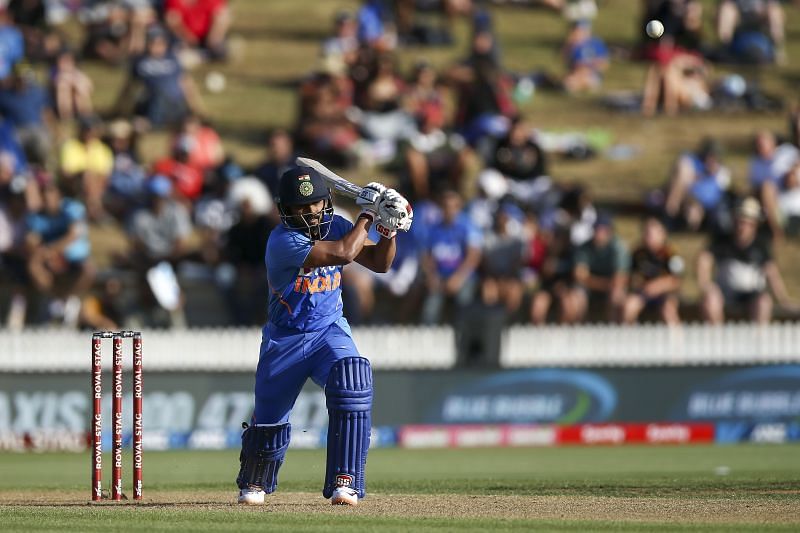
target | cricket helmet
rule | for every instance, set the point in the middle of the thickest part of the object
(301, 186)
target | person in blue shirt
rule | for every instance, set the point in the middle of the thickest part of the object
(58, 247)
(450, 258)
(587, 58)
(169, 94)
(25, 104)
(307, 336)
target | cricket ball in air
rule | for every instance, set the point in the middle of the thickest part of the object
(654, 29)
(215, 81)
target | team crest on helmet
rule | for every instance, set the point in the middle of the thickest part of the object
(306, 188)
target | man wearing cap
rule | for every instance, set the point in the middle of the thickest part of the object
(745, 270)
(601, 271)
(307, 336)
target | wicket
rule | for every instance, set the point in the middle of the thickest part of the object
(116, 414)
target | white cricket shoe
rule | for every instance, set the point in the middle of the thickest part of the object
(252, 496)
(344, 496)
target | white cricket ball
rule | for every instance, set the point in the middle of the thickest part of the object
(215, 81)
(654, 29)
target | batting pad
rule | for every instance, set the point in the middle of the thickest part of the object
(263, 449)
(349, 400)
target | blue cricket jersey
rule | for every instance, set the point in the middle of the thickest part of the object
(303, 299)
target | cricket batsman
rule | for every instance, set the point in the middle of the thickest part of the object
(307, 335)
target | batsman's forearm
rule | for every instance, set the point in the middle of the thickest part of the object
(354, 241)
(384, 252)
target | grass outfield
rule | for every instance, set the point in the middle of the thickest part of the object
(712, 488)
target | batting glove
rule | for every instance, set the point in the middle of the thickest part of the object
(370, 197)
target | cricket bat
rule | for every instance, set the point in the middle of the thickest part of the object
(339, 185)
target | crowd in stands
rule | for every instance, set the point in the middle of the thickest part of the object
(493, 230)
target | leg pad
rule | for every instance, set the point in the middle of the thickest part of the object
(263, 450)
(349, 400)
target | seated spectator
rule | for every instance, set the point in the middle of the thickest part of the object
(752, 30)
(12, 45)
(450, 257)
(577, 213)
(244, 249)
(86, 163)
(342, 48)
(375, 29)
(677, 80)
(768, 167)
(13, 255)
(200, 24)
(586, 57)
(23, 102)
(556, 282)
(205, 150)
(70, 88)
(655, 276)
(696, 192)
(58, 251)
(399, 287)
(789, 201)
(735, 273)
(109, 33)
(188, 181)
(601, 272)
(280, 157)
(429, 22)
(30, 17)
(159, 233)
(126, 185)
(166, 93)
(502, 260)
(324, 130)
(485, 105)
(682, 20)
(383, 121)
(518, 157)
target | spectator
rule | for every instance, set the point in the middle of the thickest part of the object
(86, 164)
(13, 256)
(768, 167)
(200, 24)
(109, 33)
(503, 256)
(324, 130)
(12, 45)
(655, 276)
(586, 57)
(342, 48)
(789, 201)
(745, 270)
(518, 157)
(29, 17)
(245, 245)
(556, 282)
(485, 105)
(58, 251)
(400, 286)
(205, 150)
(678, 80)
(70, 88)
(752, 30)
(697, 188)
(187, 179)
(373, 29)
(280, 156)
(682, 20)
(24, 103)
(159, 235)
(450, 257)
(126, 185)
(167, 93)
(601, 272)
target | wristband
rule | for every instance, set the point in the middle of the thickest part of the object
(385, 232)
